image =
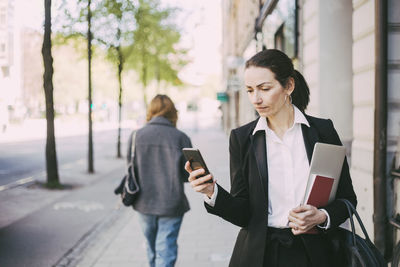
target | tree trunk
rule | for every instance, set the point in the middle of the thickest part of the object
(144, 79)
(120, 67)
(158, 75)
(89, 39)
(51, 156)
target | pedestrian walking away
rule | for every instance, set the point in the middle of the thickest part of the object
(269, 167)
(159, 168)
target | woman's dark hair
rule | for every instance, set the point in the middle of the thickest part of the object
(282, 67)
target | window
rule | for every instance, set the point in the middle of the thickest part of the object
(280, 38)
(280, 28)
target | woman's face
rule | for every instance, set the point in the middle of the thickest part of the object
(266, 94)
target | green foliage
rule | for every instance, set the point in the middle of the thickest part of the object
(139, 35)
(155, 54)
(116, 25)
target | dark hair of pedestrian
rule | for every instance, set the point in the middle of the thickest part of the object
(162, 105)
(282, 67)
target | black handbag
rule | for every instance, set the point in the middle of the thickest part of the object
(129, 186)
(351, 249)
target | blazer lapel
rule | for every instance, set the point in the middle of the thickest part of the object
(260, 153)
(310, 136)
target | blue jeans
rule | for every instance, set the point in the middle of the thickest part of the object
(161, 234)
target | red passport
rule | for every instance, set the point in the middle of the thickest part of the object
(319, 195)
(320, 191)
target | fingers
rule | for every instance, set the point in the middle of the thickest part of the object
(199, 185)
(302, 208)
(299, 229)
(295, 221)
(303, 218)
(294, 226)
(296, 230)
(187, 167)
(299, 225)
(203, 187)
(195, 175)
(302, 211)
(200, 180)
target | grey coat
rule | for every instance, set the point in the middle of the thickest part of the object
(159, 168)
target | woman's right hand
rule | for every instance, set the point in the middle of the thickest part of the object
(199, 182)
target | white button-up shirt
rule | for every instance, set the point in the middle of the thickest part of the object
(288, 170)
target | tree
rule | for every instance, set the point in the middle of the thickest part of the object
(155, 55)
(110, 25)
(116, 26)
(89, 49)
(140, 38)
(51, 156)
(72, 28)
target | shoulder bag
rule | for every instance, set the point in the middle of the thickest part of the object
(354, 250)
(129, 186)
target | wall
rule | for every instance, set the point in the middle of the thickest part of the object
(363, 113)
(326, 61)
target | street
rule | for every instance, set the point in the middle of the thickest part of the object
(38, 226)
(45, 235)
(41, 227)
(20, 160)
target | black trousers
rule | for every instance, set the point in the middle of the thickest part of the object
(283, 249)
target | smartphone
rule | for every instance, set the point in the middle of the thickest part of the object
(196, 161)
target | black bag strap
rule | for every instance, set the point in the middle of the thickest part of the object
(352, 211)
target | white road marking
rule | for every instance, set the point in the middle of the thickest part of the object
(17, 183)
(25, 180)
(86, 206)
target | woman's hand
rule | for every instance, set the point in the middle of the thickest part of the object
(305, 217)
(198, 182)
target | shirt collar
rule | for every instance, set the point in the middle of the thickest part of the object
(299, 118)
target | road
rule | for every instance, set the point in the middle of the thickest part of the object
(49, 229)
(40, 227)
(44, 236)
(20, 160)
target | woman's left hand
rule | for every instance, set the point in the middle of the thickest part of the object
(305, 217)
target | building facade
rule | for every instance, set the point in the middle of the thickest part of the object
(349, 53)
(6, 58)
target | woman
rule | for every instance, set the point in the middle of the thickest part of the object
(269, 165)
(158, 163)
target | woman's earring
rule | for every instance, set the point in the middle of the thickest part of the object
(290, 99)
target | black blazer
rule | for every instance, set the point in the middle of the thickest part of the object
(247, 203)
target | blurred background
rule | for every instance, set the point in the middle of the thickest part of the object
(189, 64)
(111, 57)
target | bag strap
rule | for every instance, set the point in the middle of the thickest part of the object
(131, 152)
(133, 145)
(352, 211)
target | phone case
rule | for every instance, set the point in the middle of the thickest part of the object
(196, 160)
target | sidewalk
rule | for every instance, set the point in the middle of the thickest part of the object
(18, 202)
(204, 240)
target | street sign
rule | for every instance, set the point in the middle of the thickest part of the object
(222, 96)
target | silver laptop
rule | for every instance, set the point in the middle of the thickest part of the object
(327, 160)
